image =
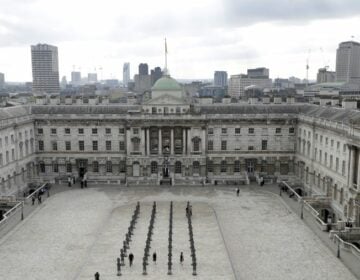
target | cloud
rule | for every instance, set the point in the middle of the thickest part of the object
(245, 12)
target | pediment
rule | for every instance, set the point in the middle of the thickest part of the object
(165, 99)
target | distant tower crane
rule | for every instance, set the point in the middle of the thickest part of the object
(307, 68)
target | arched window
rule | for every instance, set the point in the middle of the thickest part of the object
(154, 167)
(178, 167)
(196, 167)
(223, 166)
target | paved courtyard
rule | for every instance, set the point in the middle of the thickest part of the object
(75, 233)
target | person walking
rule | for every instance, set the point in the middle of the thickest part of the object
(82, 183)
(33, 199)
(73, 180)
(237, 192)
(69, 181)
(131, 259)
(181, 258)
(154, 256)
(39, 198)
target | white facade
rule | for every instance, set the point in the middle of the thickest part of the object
(238, 83)
(348, 62)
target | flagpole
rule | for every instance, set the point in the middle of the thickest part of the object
(165, 54)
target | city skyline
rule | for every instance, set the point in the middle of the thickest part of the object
(241, 35)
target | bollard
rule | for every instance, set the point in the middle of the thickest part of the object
(97, 276)
(144, 268)
(194, 269)
(118, 267)
(122, 257)
(169, 268)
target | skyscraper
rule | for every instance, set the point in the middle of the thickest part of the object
(220, 78)
(75, 78)
(155, 74)
(143, 69)
(126, 74)
(92, 78)
(45, 68)
(348, 62)
(2, 80)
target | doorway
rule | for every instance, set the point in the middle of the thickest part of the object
(136, 169)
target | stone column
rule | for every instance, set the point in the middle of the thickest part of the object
(148, 141)
(142, 141)
(203, 141)
(351, 167)
(358, 171)
(160, 142)
(172, 141)
(184, 141)
(128, 141)
(188, 141)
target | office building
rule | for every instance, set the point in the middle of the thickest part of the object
(325, 76)
(126, 74)
(75, 78)
(143, 69)
(220, 78)
(348, 62)
(92, 78)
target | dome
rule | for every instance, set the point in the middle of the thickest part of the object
(166, 83)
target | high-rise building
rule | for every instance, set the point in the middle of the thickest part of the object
(348, 62)
(325, 76)
(126, 74)
(45, 68)
(2, 80)
(143, 69)
(258, 73)
(92, 78)
(156, 74)
(75, 78)
(220, 78)
(63, 83)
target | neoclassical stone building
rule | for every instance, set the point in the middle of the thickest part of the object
(169, 140)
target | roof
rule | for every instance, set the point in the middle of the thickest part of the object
(166, 83)
(13, 112)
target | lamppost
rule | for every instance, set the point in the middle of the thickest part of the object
(302, 209)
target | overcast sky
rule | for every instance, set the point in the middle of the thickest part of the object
(203, 35)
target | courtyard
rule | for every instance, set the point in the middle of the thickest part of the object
(78, 232)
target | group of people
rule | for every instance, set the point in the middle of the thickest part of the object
(154, 258)
(83, 180)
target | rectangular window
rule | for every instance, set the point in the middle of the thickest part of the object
(81, 131)
(68, 167)
(94, 131)
(291, 130)
(223, 145)
(316, 136)
(53, 131)
(315, 156)
(251, 130)
(237, 166)
(95, 145)
(95, 166)
(40, 131)
(223, 131)
(108, 145)
(344, 148)
(109, 167)
(135, 131)
(81, 146)
(338, 145)
(237, 130)
(210, 166)
(54, 146)
(210, 145)
(251, 148)
(67, 130)
(343, 168)
(42, 167)
(121, 130)
(264, 145)
(278, 130)
(210, 131)
(108, 130)
(41, 145)
(320, 156)
(67, 145)
(122, 146)
(321, 139)
(55, 167)
(332, 143)
(122, 166)
(326, 141)
(337, 165)
(331, 161)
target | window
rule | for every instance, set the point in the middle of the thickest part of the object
(136, 144)
(135, 131)
(320, 156)
(154, 167)
(251, 148)
(109, 166)
(67, 130)
(68, 145)
(337, 164)
(315, 155)
(237, 166)
(264, 145)
(291, 130)
(321, 139)
(122, 166)
(210, 145)
(53, 131)
(343, 168)
(121, 130)
(196, 167)
(68, 167)
(42, 167)
(196, 144)
(54, 146)
(1, 159)
(210, 166)
(95, 145)
(332, 143)
(237, 130)
(81, 146)
(338, 145)
(223, 166)
(326, 141)
(55, 167)
(325, 159)
(81, 131)
(278, 130)
(40, 131)
(108, 145)
(94, 131)
(41, 145)
(223, 130)
(108, 130)
(210, 131)
(178, 167)
(316, 136)
(331, 161)
(153, 110)
(344, 148)
(122, 146)
(251, 130)
(95, 166)
(223, 145)
(12, 154)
